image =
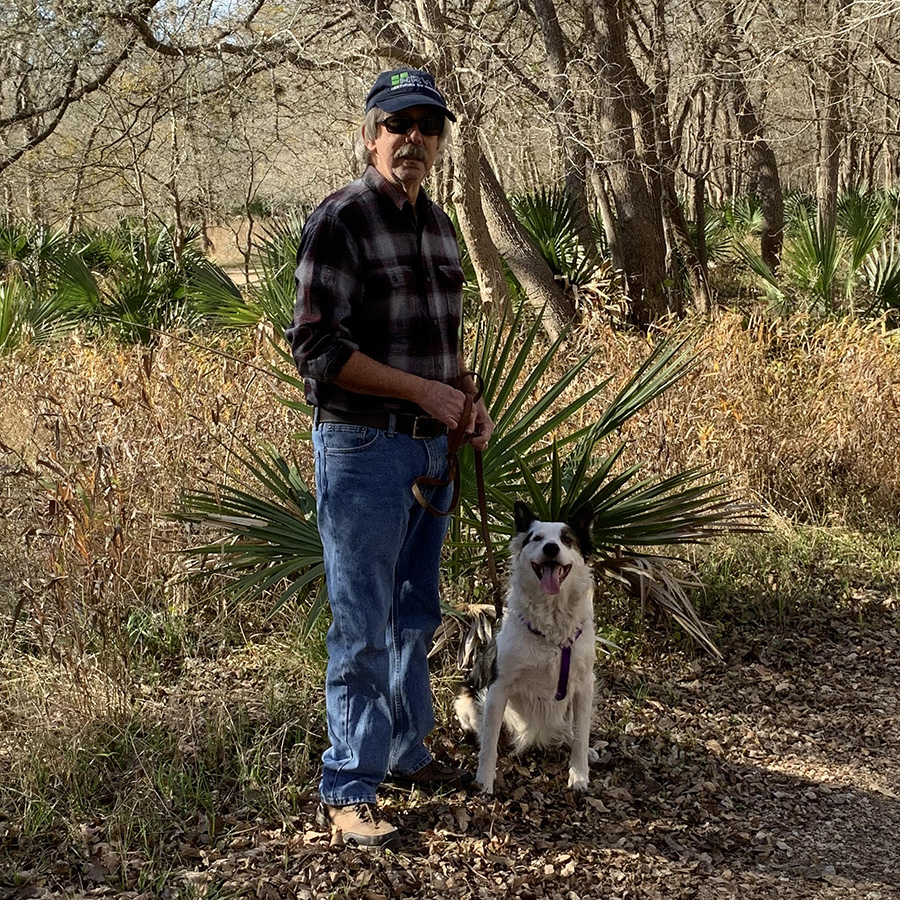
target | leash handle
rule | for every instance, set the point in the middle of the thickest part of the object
(455, 440)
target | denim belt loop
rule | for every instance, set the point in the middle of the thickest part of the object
(315, 417)
(392, 424)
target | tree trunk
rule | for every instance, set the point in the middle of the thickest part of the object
(638, 217)
(608, 218)
(472, 222)
(563, 109)
(762, 157)
(676, 223)
(836, 80)
(517, 248)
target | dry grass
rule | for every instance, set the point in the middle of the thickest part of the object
(802, 415)
(112, 668)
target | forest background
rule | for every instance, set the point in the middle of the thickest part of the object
(680, 227)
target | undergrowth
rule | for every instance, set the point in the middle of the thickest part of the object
(141, 712)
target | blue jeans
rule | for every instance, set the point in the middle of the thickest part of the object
(382, 562)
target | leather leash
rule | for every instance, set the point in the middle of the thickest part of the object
(454, 441)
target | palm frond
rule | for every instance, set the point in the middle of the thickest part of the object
(549, 218)
(274, 291)
(863, 218)
(882, 275)
(813, 259)
(216, 299)
(654, 582)
(268, 543)
(770, 284)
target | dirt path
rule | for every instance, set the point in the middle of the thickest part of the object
(772, 775)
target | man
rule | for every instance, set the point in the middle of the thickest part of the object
(376, 337)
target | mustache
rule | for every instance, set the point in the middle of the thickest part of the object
(410, 151)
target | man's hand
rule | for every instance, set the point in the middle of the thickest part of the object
(482, 426)
(443, 402)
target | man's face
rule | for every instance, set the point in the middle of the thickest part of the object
(405, 159)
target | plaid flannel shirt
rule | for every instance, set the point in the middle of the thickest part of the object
(376, 276)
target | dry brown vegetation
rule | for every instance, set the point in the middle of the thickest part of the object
(149, 729)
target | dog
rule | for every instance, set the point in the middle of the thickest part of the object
(536, 676)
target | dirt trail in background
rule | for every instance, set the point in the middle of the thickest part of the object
(772, 775)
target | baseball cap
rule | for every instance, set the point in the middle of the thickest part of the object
(401, 88)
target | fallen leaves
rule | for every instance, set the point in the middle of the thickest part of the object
(720, 786)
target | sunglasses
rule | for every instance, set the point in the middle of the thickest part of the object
(429, 126)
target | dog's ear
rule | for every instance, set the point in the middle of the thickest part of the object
(524, 517)
(580, 522)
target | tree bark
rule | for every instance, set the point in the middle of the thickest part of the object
(562, 107)
(517, 248)
(608, 218)
(472, 221)
(836, 81)
(676, 223)
(760, 152)
(638, 217)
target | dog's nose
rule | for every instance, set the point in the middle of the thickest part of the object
(551, 550)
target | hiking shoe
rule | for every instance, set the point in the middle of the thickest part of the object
(435, 775)
(360, 825)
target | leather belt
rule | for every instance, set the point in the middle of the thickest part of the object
(418, 427)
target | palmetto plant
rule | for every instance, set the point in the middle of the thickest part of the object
(578, 467)
(148, 288)
(265, 533)
(45, 287)
(122, 280)
(549, 217)
(743, 215)
(848, 267)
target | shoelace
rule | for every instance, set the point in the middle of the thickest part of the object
(364, 811)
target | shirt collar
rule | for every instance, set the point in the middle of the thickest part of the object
(378, 183)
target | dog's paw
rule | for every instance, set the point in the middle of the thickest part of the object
(578, 781)
(593, 757)
(485, 784)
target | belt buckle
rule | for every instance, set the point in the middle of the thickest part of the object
(415, 429)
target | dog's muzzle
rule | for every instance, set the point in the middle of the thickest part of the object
(551, 575)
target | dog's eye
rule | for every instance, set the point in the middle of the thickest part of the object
(567, 539)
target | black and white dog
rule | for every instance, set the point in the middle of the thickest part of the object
(537, 676)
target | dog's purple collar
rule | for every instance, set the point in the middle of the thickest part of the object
(565, 660)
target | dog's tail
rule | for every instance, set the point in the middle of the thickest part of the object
(469, 703)
(468, 710)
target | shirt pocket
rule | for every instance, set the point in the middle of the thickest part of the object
(453, 275)
(451, 279)
(389, 292)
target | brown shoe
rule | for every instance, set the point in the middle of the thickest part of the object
(435, 775)
(360, 825)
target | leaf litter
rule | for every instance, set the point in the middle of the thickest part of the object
(771, 774)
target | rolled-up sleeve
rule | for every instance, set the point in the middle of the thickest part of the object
(328, 283)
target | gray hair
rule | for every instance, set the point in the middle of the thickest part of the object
(370, 129)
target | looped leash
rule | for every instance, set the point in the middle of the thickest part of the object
(454, 441)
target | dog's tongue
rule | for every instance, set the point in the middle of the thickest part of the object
(550, 579)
